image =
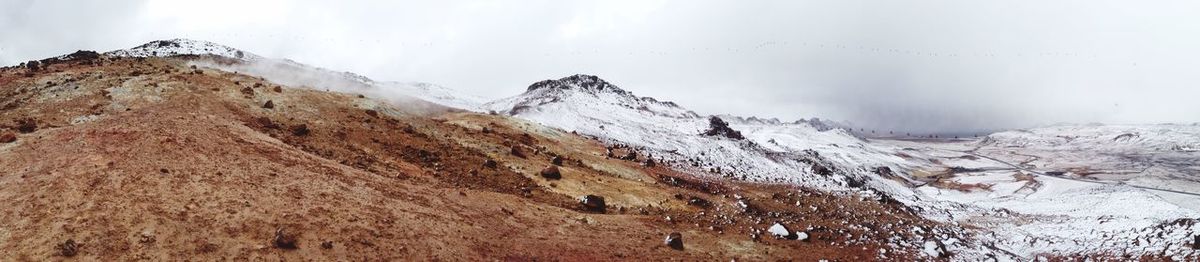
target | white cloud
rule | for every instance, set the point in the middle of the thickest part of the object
(910, 65)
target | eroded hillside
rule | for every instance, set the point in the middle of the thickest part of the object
(116, 158)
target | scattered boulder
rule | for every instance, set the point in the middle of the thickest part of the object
(516, 151)
(284, 240)
(270, 104)
(248, 91)
(266, 122)
(300, 130)
(327, 245)
(674, 240)
(82, 55)
(490, 163)
(718, 127)
(700, 202)
(556, 160)
(68, 249)
(26, 125)
(551, 172)
(372, 113)
(8, 137)
(629, 156)
(648, 163)
(33, 66)
(593, 203)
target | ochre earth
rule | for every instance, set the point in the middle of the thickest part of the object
(152, 159)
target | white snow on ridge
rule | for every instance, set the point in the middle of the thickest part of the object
(292, 73)
(180, 46)
(590, 106)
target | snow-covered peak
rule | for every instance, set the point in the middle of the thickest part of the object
(180, 46)
(586, 91)
(583, 82)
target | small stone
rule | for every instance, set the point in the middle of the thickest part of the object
(300, 130)
(284, 240)
(593, 203)
(490, 163)
(556, 160)
(674, 240)
(700, 202)
(68, 249)
(327, 244)
(648, 163)
(277, 89)
(516, 151)
(551, 172)
(26, 125)
(270, 104)
(8, 138)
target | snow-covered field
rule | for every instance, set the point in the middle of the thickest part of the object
(1014, 214)
(989, 187)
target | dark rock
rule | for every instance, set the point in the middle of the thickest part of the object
(648, 163)
(593, 203)
(68, 249)
(300, 130)
(630, 156)
(700, 202)
(327, 244)
(82, 55)
(1196, 242)
(266, 123)
(551, 172)
(270, 104)
(8, 138)
(284, 240)
(277, 89)
(718, 127)
(490, 163)
(33, 66)
(372, 113)
(674, 240)
(26, 125)
(248, 91)
(884, 171)
(556, 160)
(516, 151)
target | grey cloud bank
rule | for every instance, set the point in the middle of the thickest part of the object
(912, 66)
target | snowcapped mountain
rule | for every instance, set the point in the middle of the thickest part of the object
(180, 46)
(288, 72)
(1015, 213)
(771, 151)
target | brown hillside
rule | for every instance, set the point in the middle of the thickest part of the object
(150, 159)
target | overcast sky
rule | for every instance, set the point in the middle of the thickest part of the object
(937, 66)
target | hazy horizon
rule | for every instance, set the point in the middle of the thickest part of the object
(930, 67)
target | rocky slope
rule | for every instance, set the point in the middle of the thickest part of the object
(182, 148)
(161, 158)
(1013, 213)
